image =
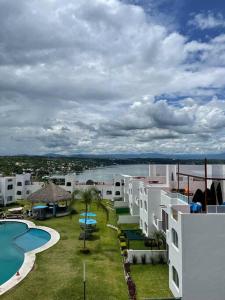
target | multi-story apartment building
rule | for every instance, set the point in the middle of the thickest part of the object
(7, 190)
(109, 190)
(195, 241)
(22, 188)
(17, 187)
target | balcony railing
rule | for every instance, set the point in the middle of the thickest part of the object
(215, 209)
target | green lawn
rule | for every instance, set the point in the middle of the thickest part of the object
(129, 226)
(58, 271)
(151, 281)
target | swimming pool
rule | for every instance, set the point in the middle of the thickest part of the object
(18, 243)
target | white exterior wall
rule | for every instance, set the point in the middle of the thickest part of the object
(7, 195)
(22, 190)
(144, 215)
(203, 260)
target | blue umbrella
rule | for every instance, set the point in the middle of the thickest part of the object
(40, 206)
(89, 214)
(88, 221)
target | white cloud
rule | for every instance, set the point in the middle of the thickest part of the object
(208, 20)
(95, 68)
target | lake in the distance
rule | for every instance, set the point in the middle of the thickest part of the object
(106, 173)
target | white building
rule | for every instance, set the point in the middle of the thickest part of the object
(22, 188)
(195, 241)
(19, 187)
(7, 190)
(109, 190)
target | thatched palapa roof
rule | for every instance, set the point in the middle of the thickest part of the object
(49, 193)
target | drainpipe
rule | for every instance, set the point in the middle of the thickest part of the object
(205, 184)
(188, 189)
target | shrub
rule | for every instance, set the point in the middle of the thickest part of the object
(147, 243)
(123, 245)
(127, 267)
(125, 253)
(162, 260)
(122, 238)
(152, 260)
(143, 259)
(134, 259)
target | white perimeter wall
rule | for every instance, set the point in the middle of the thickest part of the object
(148, 253)
(203, 262)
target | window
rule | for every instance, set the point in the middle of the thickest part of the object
(27, 192)
(141, 203)
(108, 192)
(9, 198)
(19, 183)
(68, 183)
(175, 276)
(117, 193)
(19, 193)
(117, 183)
(174, 237)
(10, 187)
(9, 180)
(145, 204)
(27, 182)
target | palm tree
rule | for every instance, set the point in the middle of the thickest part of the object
(159, 237)
(88, 196)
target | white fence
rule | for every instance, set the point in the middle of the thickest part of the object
(149, 255)
(118, 204)
(128, 219)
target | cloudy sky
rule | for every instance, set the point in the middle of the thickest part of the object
(110, 76)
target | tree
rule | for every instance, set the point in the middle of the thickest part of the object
(213, 194)
(159, 237)
(219, 194)
(90, 182)
(88, 196)
(199, 197)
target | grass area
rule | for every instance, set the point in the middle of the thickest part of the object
(58, 271)
(151, 281)
(129, 226)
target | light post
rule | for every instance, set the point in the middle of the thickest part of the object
(84, 280)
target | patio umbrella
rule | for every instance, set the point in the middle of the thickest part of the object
(89, 214)
(88, 221)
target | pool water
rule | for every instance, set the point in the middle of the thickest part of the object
(15, 240)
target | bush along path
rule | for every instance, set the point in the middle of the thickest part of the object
(126, 266)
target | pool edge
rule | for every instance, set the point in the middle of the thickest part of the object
(29, 257)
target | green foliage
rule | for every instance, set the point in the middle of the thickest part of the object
(134, 259)
(161, 259)
(143, 259)
(159, 238)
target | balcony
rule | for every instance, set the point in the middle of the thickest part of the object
(170, 198)
(158, 223)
